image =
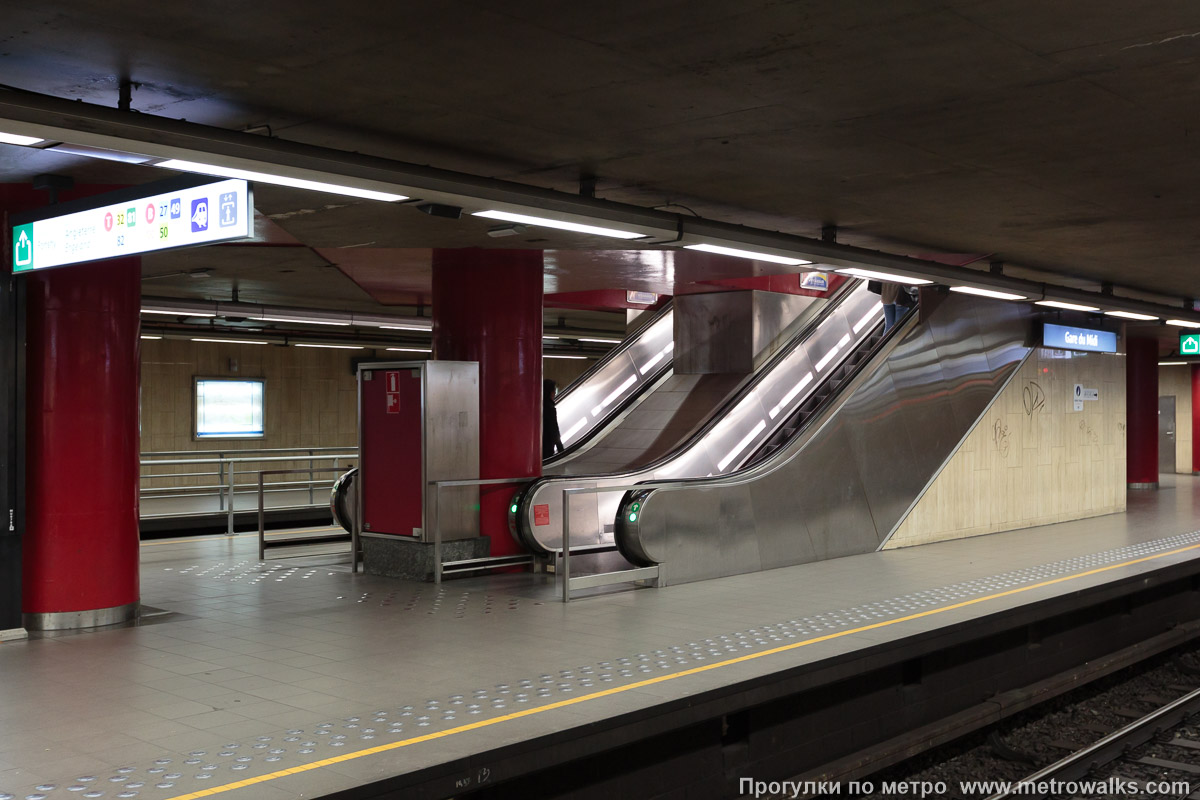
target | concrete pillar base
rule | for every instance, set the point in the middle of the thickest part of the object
(393, 557)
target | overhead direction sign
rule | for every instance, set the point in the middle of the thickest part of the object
(1071, 337)
(1189, 344)
(126, 224)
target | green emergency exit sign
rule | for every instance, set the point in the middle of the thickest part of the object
(1189, 344)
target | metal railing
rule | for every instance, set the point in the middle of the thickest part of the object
(483, 563)
(225, 468)
(305, 539)
(654, 574)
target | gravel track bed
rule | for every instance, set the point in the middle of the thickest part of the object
(1040, 736)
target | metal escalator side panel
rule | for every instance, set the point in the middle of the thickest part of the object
(343, 500)
(609, 386)
(722, 445)
(851, 481)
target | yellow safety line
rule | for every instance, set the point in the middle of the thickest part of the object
(659, 679)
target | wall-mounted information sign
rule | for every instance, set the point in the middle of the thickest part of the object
(641, 298)
(817, 281)
(130, 224)
(1070, 337)
(1189, 344)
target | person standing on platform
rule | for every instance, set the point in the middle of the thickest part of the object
(551, 438)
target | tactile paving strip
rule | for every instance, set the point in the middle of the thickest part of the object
(171, 776)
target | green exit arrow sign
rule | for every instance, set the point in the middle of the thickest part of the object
(1189, 344)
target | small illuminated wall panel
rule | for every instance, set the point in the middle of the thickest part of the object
(196, 215)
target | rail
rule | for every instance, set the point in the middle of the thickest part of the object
(263, 544)
(655, 574)
(476, 563)
(224, 468)
(1082, 762)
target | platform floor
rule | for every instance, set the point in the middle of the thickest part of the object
(295, 678)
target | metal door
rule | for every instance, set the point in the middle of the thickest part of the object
(1166, 434)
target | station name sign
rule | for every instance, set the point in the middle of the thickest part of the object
(1070, 337)
(130, 222)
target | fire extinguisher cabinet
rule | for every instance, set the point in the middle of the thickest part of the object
(418, 423)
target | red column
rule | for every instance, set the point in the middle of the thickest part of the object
(1141, 413)
(1195, 418)
(487, 307)
(82, 429)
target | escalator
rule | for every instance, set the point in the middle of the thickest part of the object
(825, 346)
(849, 464)
(611, 387)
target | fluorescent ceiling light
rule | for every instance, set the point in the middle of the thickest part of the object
(558, 223)
(1067, 306)
(732, 251)
(1173, 363)
(278, 180)
(425, 328)
(410, 349)
(1131, 315)
(544, 336)
(232, 341)
(303, 321)
(1183, 323)
(890, 277)
(549, 355)
(178, 313)
(875, 309)
(988, 293)
(150, 337)
(602, 341)
(332, 346)
(12, 138)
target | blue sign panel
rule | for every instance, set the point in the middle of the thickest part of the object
(1069, 337)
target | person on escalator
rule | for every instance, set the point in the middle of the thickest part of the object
(551, 438)
(897, 301)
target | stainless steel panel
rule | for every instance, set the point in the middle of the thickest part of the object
(723, 444)
(844, 486)
(592, 399)
(1166, 434)
(451, 443)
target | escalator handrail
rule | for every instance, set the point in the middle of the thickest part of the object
(750, 464)
(616, 352)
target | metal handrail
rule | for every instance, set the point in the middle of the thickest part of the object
(238, 460)
(247, 450)
(656, 572)
(227, 473)
(262, 514)
(437, 503)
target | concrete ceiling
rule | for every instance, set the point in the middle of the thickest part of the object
(1059, 136)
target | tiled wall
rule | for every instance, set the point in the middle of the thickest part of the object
(1032, 459)
(1177, 381)
(310, 397)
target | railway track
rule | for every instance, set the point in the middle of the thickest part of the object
(1096, 768)
(1133, 734)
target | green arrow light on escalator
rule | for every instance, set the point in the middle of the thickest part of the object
(512, 509)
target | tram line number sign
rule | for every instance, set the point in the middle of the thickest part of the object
(130, 222)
